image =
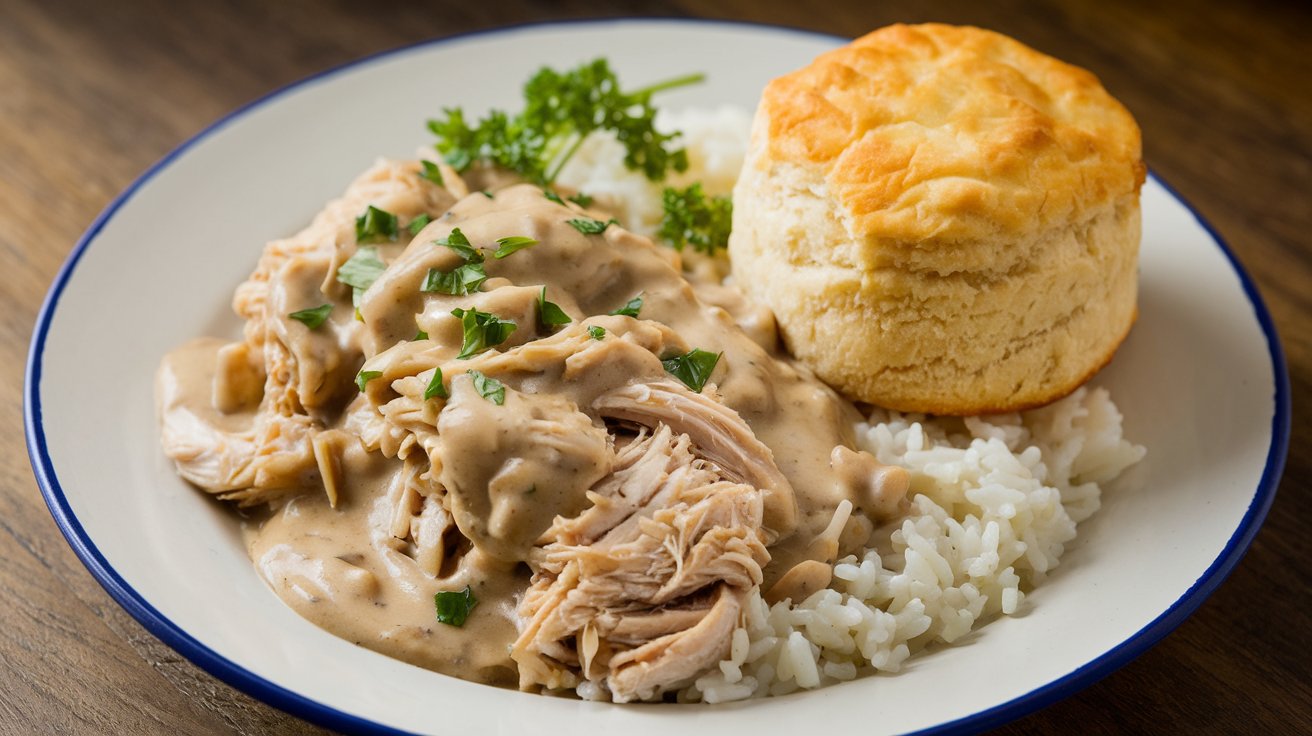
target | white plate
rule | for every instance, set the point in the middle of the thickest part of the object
(1201, 381)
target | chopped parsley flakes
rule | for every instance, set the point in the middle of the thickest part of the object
(489, 388)
(694, 367)
(375, 226)
(313, 318)
(482, 331)
(453, 606)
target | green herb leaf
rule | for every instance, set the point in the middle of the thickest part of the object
(360, 271)
(511, 244)
(432, 173)
(692, 218)
(552, 196)
(364, 377)
(482, 331)
(589, 226)
(560, 110)
(631, 308)
(453, 606)
(459, 281)
(597, 332)
(435, 387)
(313, 318)
(419, 223)
(375, 226)
(489, 388)
(549, 313)
(487, 194)
(582, 200)
(457, 242)
(694, 368)
(420, 335)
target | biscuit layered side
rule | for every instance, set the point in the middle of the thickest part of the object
(943, 220)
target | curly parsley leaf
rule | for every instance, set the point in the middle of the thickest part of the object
(560, 110)
(360, 271)
(582, 200)
(364, 377)
(375, 226)
(549, 313)
(313, 318)
(694, 367)
(597, 332)
(511, 244)
(482, 330)
(552, 196)
(435, 386)
(453, 606)
(630, 308)
(589, 226)
(691, 218)
(489, 388)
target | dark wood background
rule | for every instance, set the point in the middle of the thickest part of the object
(91, 93)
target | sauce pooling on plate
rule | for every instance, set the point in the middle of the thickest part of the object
(523, 448)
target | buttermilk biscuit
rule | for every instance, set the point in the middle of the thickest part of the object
(943, 220)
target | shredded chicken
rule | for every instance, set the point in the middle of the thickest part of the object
(668, 543)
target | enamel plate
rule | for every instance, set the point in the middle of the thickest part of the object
(1201, 382)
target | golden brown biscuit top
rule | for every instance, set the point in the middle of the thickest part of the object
(947, 133)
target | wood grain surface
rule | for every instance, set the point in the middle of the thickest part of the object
(91, 93)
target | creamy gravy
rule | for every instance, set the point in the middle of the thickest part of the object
(428, 495)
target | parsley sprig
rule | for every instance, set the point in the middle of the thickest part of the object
(692, 218)
(560, 110)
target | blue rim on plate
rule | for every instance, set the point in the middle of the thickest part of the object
(326, 715)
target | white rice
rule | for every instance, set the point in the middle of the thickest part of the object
(716, 141)
(994, 500)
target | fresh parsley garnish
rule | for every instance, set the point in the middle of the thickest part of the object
(482, 331)
(487, 194)
(420, 335)
(549, 313)
(511, 244)
(313, 318)
(691, 218)
(364, 377)
(589, 226)
(552, 196)
(489, 388)
(360, 271)
(419, 223)
(582, 200)
(457, 242)
(694, 367)
(375, 226)
(597, 332)
(453, 606)
(435, 387)
(631, 308)
(560, 110)
(432, 173)
(459, 281)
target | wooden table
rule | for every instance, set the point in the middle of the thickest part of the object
(92, 93)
